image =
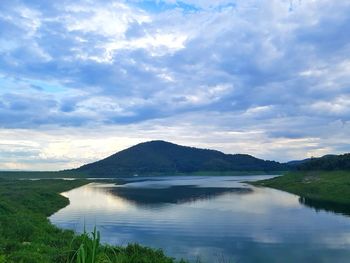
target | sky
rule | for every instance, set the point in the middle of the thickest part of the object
(80, 80)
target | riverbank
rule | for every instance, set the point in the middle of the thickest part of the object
(28, 175)
(26, 235)
(10, 175)
(315, 187)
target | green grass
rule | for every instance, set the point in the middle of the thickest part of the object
(27, 236)
(236, 173)
(90, 250)
(40, 175)
(209, 173)
(331, 187)
(81, 175)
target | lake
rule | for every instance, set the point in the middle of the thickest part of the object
(215, 219)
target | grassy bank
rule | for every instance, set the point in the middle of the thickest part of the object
(27, 236)
(208, 173)
(81, 175)
(40, 175)
(236, 173)
(319, 189)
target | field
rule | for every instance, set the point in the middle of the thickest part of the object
(329, 190)
(27, 236)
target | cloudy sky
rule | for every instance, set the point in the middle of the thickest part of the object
(82, 79)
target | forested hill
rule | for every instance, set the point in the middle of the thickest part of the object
(160, 157)
(327, 163)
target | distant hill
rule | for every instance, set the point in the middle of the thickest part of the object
(160, 157)
(296, 163)
(327, 163)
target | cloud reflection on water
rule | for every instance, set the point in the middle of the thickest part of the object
(242, 226)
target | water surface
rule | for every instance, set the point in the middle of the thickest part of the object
(216, 219)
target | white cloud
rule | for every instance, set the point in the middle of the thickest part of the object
(269, 78)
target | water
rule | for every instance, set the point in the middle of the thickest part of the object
(216, 219)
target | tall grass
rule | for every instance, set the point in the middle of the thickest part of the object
(88, 249)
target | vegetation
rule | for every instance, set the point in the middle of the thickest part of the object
(236, 173)
(40, 175)
(327, 163)
(159, 158)
(27, 236)
(321, 189)
(90, 250)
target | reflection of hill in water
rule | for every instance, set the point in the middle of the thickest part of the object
(173, 194)
(326, 206)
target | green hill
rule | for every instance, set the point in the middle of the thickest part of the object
(160, 157)
(322, 183)
(327, 163)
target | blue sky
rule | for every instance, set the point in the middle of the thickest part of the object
(82, 79)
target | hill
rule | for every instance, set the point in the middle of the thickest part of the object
(327, 163)
(327, 190)
(322, 183)
(296, 163)
(160, 157)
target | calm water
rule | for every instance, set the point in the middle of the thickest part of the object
(216, 219)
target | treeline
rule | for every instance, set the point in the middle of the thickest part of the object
(327, 163)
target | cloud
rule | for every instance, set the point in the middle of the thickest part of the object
(269, 73)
